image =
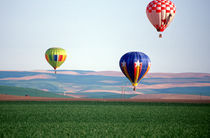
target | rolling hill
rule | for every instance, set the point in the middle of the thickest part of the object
(104, 84)
(19, 91)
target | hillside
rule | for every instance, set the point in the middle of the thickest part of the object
(11, 90)
(106, 84)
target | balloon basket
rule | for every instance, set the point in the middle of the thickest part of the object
(134, 88)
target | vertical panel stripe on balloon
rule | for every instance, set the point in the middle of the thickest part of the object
(60, 57)
(146, 71)
(55, 57)
(64, 58)
(125, 71)
(46, 56)
(137, 72)
(50, 57)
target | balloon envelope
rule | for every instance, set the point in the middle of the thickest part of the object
(135, 66)
(55, 57)
(160, 13)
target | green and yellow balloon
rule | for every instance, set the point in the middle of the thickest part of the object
(55, 57)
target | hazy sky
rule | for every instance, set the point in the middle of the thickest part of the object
(96, 33)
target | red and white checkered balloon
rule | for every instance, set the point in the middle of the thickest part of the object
(160, 13)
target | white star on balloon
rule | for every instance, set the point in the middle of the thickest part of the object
(137, 63)
(123, 63)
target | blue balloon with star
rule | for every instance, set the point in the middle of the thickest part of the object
(135, 65)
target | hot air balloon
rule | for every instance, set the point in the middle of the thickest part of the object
(55, 57)
(135, 66)
(160, 13)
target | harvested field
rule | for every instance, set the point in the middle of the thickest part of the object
(170, 98)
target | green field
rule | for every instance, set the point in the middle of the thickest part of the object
(19, 91)
(103, 119)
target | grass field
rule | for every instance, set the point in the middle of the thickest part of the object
(103, 119)
(19, 91)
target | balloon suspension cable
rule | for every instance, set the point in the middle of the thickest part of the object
(134, 88)
(55, 71)
(160, 36)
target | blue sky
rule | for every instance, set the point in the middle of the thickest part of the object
(96, 33)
